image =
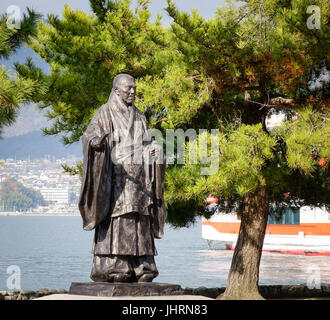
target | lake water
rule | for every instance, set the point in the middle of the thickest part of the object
(52, 252)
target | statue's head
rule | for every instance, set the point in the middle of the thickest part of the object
(125, 87)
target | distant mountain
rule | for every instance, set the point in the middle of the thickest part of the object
(34, 145)
(30, 118)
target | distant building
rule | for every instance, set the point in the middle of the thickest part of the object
(56, 195)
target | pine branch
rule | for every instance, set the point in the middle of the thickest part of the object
(11, 40)
(102, 7)
(276, 103)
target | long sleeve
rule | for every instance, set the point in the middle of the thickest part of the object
(95, 197)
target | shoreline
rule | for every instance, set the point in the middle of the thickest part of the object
(14, 214)
(269, 292)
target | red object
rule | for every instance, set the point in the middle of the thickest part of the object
(286, 194)
(210, 200)
(322, 162)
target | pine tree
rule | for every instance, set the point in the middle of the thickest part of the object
(85, 53)
(255, 59)
(229, 73)
(14, 90)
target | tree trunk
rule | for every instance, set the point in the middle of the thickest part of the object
(243, 276)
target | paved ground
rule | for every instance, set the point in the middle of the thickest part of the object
(77, 297)
(183, 297)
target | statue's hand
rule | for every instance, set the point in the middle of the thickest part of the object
(155, 152)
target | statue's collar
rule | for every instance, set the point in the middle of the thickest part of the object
(116, 103)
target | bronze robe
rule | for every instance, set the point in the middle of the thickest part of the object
(113, 187)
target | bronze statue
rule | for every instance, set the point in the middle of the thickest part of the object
(122, 189)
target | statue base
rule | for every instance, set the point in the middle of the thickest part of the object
(134, 289)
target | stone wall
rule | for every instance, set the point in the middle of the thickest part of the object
(28, 294)
(270, 292)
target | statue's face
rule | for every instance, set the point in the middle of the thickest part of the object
(126, 89)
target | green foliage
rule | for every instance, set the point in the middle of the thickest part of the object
(170, 90)
(244, 155)
(250, 54)
(307, 138)
(15, 90)
(12, 39)
(85, 54)
(14, 196)
(75, 170)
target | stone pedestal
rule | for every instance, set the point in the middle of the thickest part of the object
(135, 289)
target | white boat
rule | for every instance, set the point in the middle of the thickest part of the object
(305, 231)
